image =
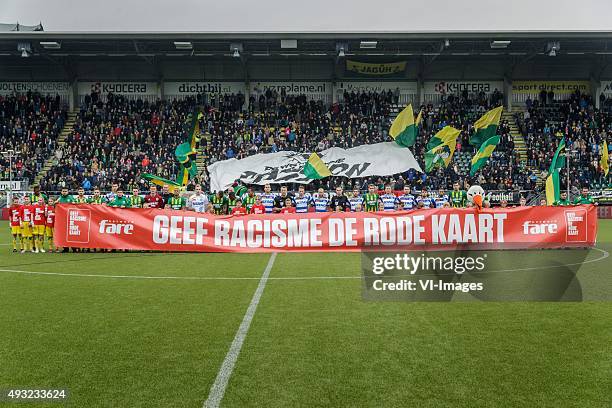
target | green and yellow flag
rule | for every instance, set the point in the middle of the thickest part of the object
(160, 181)
(441, 148)
(483, 153)
(552, 181)
(486, 126)
(315, 168)
(605, 166)
(404, 129)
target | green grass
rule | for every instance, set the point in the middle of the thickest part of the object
(160, 342)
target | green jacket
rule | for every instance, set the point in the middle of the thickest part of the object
(584, 200)
(120, 202)
(68, 199)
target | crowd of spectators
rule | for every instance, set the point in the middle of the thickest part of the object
(29, 126)
(115, 139)
(544, 124)
(119, 139)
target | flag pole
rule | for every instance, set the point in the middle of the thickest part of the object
(567, 159)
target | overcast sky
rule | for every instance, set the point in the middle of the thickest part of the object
(309, 15)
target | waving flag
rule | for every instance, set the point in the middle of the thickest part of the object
(486, 126)
(185, 154)
(483, 154)
(404, 129)
(552, 181)
(441, 147)
(315, 168)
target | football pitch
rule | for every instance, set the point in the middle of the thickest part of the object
(158, 330)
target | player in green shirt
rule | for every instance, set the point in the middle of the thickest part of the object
(36, 194)
(371, 199)
(458, 198)
(563, 201)
(248, 200)
(136, 201)
(96, 198)
(176, 202)
(65, 198)
(231, 201)
(584, 197)
(80, 197)
(120, 200)
(220, 203)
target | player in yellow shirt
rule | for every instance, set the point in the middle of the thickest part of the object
(38, 224)
(15, 218)
(26, 214)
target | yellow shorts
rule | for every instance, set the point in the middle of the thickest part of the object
(49, 231)
(26, 230)
(15, 230)
(38, 230)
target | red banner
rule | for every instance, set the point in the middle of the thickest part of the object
(97, 226)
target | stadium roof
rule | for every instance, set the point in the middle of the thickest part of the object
(381, 44)
(19, 27)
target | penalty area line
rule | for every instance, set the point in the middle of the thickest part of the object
(217, 391)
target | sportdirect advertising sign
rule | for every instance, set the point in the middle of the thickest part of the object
(558, 87)
(95, 226)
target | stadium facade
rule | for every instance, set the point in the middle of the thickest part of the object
(421, 66)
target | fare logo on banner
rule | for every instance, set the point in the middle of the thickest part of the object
(79, 222)
(118, 227)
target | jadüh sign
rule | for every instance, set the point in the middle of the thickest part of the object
(98, 226)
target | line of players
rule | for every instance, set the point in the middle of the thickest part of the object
(32, 221)
(320, 201)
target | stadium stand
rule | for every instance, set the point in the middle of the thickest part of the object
(116, 139)
(29, 125)
(545, 122)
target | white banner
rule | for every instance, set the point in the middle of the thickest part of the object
(380, 159)
(45, 88)
(312, 90)
(182, 89)
(606, 88)
(12, 185)
(456, 87)
(119, 88)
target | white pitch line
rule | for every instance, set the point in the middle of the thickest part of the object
(217, 391)
(604, 255)
(92, 275)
